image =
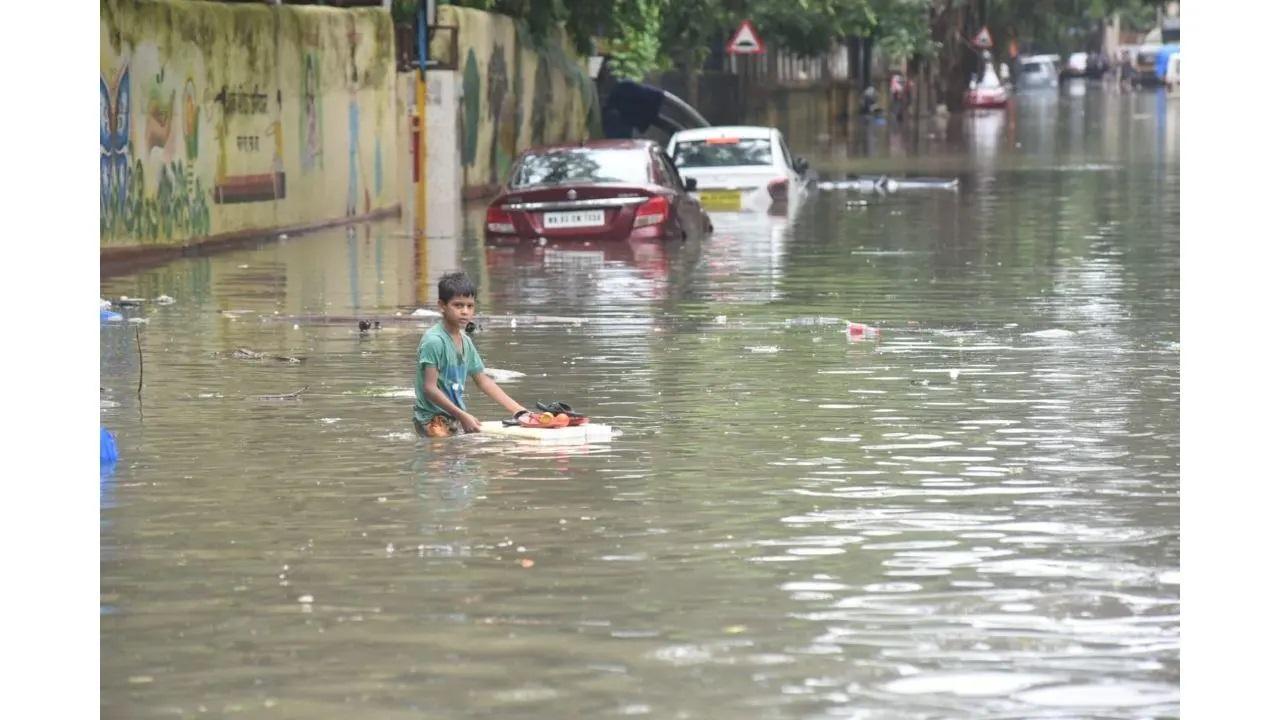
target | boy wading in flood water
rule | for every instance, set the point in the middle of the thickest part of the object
(446, 357)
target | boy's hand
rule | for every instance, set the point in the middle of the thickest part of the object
(469, 422)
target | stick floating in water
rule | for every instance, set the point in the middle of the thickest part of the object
(287, 396)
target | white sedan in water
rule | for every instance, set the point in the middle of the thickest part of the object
(740, 168)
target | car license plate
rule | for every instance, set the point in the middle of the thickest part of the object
(575, 218)
(720, 199)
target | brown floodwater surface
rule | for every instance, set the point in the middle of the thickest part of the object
(973, 513)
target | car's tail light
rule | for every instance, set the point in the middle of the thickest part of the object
(499, 221)
(778, 189)
(653, 212)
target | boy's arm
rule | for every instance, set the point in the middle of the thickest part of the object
(430, 375)
(495, 391)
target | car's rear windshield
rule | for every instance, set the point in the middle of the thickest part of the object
(723, 152)
(582, 165)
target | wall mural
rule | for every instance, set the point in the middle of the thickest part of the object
(213, 118)
(114, 138)
(178, 205)
(355, 169)
(190, 119)
(541, 89)
(470, 108)
(515, 93)
(246, 113)
(311, 133)
(502, 107)
(159, 115)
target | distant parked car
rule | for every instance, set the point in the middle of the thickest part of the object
(1173, 71)
(597, 190)
(1077, 65)
(1037, 71)
(741, 168)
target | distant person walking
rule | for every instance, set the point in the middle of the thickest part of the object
(1125, 72)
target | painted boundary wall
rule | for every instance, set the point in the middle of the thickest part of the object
(233, 120)
(516, 93)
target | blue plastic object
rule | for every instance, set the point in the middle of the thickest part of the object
(1162, 59)
(107, 447)
(109, 316)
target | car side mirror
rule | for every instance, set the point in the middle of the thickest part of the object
(802, 165)
(690, 184)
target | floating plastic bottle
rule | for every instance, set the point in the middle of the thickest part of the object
(859, 331)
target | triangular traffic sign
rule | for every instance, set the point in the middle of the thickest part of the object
(745, 40)
(983, 38)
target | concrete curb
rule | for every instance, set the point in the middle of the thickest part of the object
(122, 260)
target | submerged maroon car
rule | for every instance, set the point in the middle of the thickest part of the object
(598, 190)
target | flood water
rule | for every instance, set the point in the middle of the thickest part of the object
(974, 514)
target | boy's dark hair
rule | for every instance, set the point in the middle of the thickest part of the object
(455, 284)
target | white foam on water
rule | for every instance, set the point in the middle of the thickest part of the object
(969, 684)
(945, 458)
(814, 551)
(500, 375)
(914, 446)
(893, 587)
(1101, 695)
(812, 586)
(1050, 334)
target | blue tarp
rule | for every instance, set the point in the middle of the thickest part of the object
(1162, 59)
(107, 447)
(631, 109)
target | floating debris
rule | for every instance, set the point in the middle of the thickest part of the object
(1049, 334)
(424, 312)
(164, 300)
(762, 348)
(500, 375)
(247, 354)
(860, 331)
(884, 183)
(812, 321)
(286, 396)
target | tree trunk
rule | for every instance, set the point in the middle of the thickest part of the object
(956, 60)
(867, 45)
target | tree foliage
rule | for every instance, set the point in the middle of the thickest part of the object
(648, 35)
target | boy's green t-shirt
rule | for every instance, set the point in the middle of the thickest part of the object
(437, 350)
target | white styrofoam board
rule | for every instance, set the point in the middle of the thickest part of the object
(589, 433)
